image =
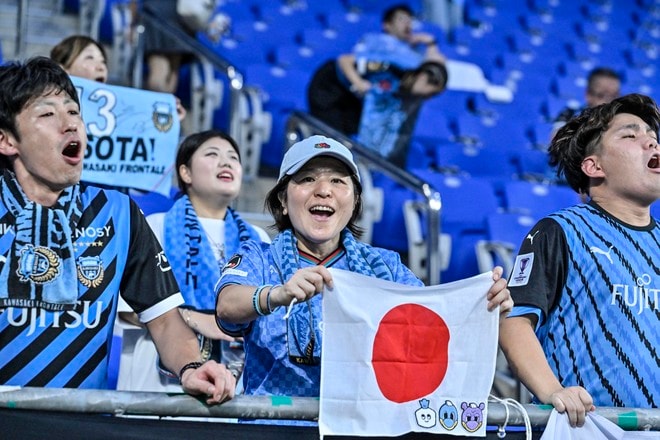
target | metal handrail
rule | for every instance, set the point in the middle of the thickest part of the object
(150, 17)
(301, 124)
(22, 29)
(263, 407)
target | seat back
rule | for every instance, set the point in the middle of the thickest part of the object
(537, 199)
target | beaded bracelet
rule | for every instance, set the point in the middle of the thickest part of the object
(189, 366)
(256, 299)
(270, 309)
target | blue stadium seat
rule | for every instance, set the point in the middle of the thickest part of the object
(554, 105)
(330, 39)
(420, 154)
(151, 202)
(569, 88)
(242, 47)
(325, 7)
(301, 57)
(541, 134)
(496, 164)
(466, 203)
(533, 165)
(509, 227)
(283, 87)
(451, 103)
(238, 11)
(585, 54)
(283, 24)
(353, 24)
(505, 233)
(283, 91)
(255, 41)
(390, 231)
(537, 199)
(638, 81)
(378, 6)
(433, 127)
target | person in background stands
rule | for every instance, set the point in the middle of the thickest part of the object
(85, 57)
(69, 248)
(81, 56)
(197, 234)
(336, 90)
(390, 109)
(603, 85)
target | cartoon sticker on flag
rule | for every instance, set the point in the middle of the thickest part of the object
(400, 359)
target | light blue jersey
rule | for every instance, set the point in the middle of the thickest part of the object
(601, 303)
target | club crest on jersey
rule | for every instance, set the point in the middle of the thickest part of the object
(233, 262)
(39, 264)
(162, 116)
(90, 271)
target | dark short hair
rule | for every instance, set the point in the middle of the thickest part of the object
(435, 70)
(601, 72)
(23, 82)
(66, 51)
(283, 222)
(191, 144)
(581, 136)
(389, 13)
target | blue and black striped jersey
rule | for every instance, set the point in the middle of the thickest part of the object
(115, 251)
(596, 281)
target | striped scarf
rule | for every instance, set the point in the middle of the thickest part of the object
(191, 256)
(302, 333)
(40, 269)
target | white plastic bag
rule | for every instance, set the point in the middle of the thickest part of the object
(195, 14)
(595, 428)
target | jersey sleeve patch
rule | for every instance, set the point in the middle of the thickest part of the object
(230, 266)
(522, 268)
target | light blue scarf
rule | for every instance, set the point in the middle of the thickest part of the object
(303, 336)
(40, 269)
(191, 257)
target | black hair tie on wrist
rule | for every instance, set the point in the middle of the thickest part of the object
(189, 366)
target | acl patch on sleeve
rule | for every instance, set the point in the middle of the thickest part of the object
(522, 268)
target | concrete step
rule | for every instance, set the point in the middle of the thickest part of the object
(45, 27)
(253, 195)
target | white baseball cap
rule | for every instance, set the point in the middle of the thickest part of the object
(303, 151)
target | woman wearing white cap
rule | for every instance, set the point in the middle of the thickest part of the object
(315, 203)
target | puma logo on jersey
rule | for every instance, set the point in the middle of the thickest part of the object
(530, 237)
(597, 250)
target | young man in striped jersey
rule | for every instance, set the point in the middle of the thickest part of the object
(68, 249)
(586, 283)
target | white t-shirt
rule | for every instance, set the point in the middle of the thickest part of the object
(137, 364)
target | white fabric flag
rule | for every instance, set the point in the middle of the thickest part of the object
(400, 359)
(595, 427)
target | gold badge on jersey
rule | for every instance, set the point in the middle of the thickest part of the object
(38, 264)
(90, 271)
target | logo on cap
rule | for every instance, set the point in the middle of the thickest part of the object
(322, 145)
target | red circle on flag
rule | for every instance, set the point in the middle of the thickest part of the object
(410, 353)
